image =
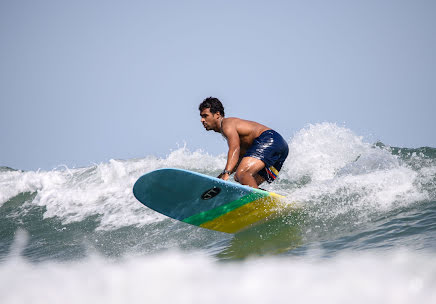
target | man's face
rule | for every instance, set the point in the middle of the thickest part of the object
(208, 119)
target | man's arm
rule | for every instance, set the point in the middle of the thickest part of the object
(230, 132)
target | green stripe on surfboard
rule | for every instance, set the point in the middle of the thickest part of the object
(209, 215)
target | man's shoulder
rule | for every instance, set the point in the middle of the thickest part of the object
(230, 124)
(233, 120)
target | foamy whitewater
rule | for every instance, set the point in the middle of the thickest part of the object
(366, 232)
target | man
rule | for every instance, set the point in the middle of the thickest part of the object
(256, 153)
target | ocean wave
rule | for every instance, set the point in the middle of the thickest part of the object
(329, 168)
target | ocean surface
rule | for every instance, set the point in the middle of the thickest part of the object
(366, 232)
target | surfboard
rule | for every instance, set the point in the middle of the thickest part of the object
(205, 201)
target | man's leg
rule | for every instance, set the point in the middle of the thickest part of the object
(259, 179)
(247, 171)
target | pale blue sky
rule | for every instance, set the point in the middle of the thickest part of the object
(86, 81)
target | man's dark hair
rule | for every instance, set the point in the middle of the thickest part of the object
(212, 103)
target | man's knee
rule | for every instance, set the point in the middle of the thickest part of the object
(240, 174)
(236, 178)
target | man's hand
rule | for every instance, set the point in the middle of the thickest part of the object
(224, 176)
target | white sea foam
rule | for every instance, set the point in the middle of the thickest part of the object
(173, 277)
(343, 168)
(103, 190)
(320, 150)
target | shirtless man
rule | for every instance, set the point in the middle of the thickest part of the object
(256, 153)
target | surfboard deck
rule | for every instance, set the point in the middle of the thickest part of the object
(205, 201)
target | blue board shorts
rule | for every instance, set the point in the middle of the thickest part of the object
(272, 149)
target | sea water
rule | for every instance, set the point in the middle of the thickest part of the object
(365, 233)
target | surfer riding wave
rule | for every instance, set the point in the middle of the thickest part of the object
(256, 152)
